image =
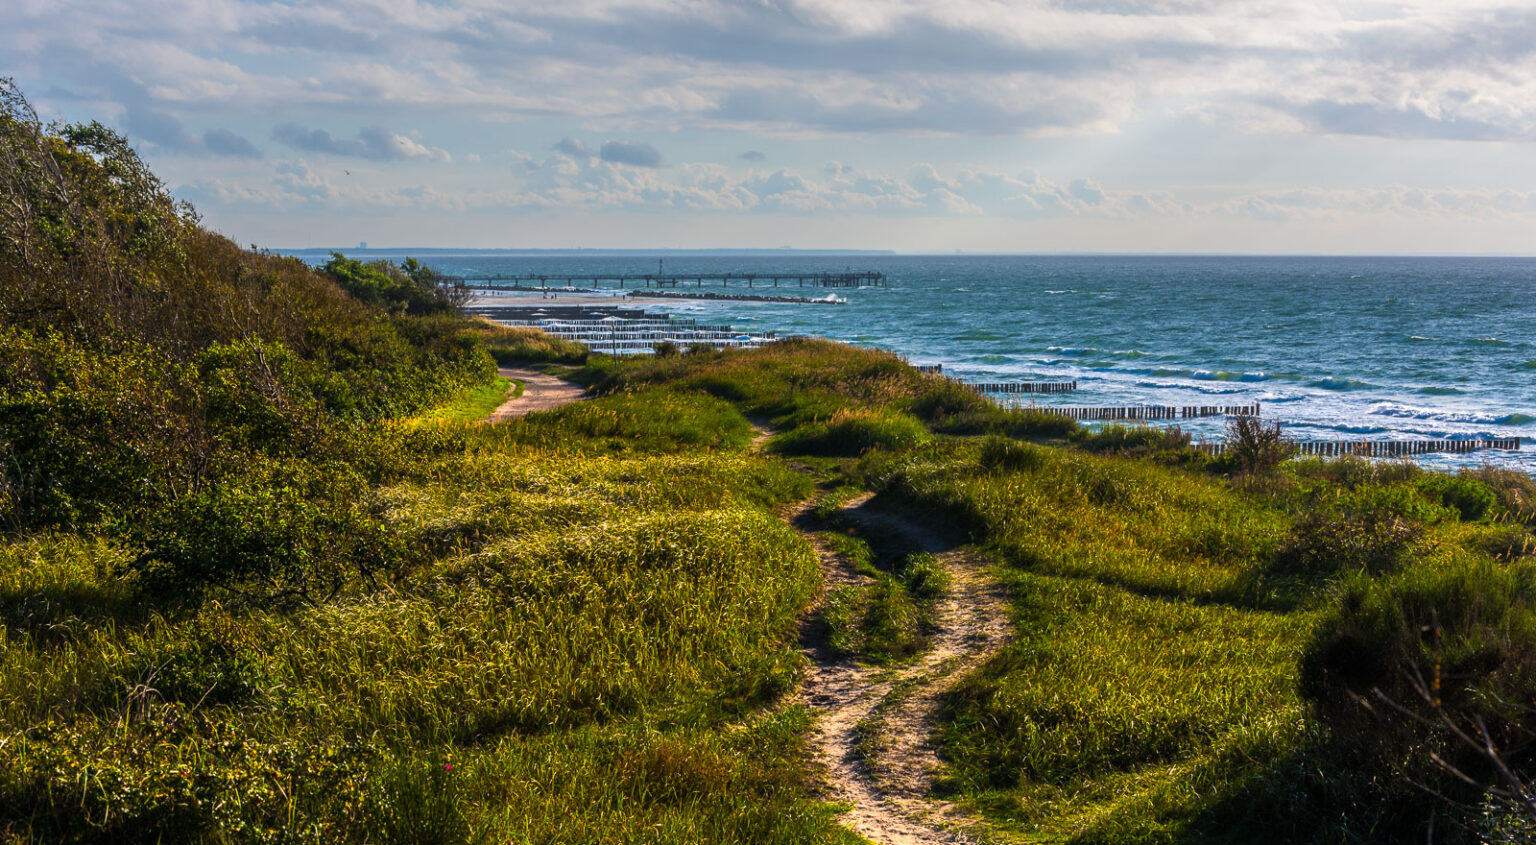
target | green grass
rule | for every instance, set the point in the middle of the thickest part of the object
(589, 626)
(889, 618)
(646, 420)
(526, 345)
(473, 404)
(595, 641)
(1117, 716)
(1130, 523)
(1154, 692)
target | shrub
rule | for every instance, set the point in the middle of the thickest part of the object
(1515, 490)
(1471, 498)
(1401, 658)
(852, 432)
(1373, 529)
(1003, 453)
(1134, 439)
(1254, 447)
(666, 349)
(408, 287)
(278, 534)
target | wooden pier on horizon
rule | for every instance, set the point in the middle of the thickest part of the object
(624, 281)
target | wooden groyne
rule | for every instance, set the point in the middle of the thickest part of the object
(1025, 386)
(1384, 448)
(1148, 412)
(618, 330)
(542, 281)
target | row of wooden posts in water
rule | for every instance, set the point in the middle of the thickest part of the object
(1026, 386)
(1384, 448)
(1320, 448)
(1153, 412)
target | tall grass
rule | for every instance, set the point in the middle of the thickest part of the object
(526, 345)
(592, 643)
(472, 404)
(585, 624)
(1155, 691)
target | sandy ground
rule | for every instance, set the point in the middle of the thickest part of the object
(540, 393)
(875, 726)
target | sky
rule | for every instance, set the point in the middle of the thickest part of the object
(1224, 126)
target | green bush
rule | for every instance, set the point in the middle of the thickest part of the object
(1516, 491)
(277, 534)
(1471, 498)
(1372, 529)
(1255, 448)
(1399, 658)
(408, 287)
(850, 433)
(1130, 440)
(1003, 453)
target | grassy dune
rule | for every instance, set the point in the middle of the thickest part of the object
(1155, 691)
(244, 599)
(590, 634)
(592, 646)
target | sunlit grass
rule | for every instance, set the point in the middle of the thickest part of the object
(472, 404)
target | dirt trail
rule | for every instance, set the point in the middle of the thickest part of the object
(876, 725)
(540, 393)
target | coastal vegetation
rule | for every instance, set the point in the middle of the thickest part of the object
(264, 576)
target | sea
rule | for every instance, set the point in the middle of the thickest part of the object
(1332, 348)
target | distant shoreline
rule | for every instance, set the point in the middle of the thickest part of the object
(669, 296)
(448, 252)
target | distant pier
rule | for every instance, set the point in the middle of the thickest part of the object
(641, 281)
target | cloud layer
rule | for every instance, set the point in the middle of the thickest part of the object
(370, 143)
(1021, 113)
(1413, 68)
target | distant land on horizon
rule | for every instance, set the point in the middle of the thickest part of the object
(391, 251)
(579, 251)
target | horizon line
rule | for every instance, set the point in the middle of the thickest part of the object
(881, 252)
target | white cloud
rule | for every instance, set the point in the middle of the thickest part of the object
(1414, 68)
(372, 142)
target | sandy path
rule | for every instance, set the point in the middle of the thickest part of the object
(540, 393)
(876, 726)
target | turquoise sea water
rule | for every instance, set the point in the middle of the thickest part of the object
(1344, 348)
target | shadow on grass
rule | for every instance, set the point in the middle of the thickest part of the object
(53, 614)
